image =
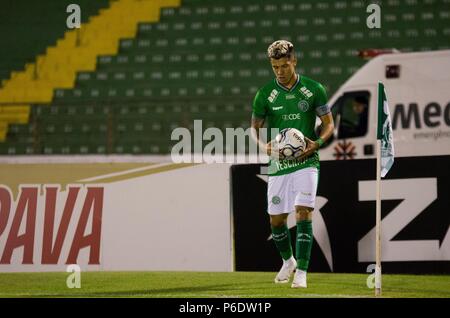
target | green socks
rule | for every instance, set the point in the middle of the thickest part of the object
(282, 240)
(303, 244)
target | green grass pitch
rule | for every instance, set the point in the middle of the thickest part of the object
(207, 284)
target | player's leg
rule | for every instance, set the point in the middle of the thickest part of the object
(281, 235)
(303, 244)
(282, 240)
(306, 188)
(304, 238)
(279, 201)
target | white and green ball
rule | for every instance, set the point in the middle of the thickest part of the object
(291, 143)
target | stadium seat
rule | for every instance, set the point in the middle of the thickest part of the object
(206, 60)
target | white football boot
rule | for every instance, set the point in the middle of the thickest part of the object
(299, 279)
(284, 275)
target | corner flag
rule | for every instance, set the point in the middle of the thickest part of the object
(384, 131)
(385, 159)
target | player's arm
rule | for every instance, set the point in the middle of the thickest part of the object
(323, 111)
(259, 115)
(257, 123)
(325, 133)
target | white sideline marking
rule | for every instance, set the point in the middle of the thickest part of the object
(151, 295)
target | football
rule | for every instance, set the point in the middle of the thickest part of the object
(290, 143)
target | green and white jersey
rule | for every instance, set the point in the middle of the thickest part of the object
(291, 108)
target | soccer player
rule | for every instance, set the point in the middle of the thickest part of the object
(292, 100)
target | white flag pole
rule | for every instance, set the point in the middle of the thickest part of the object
(378, 224)
(378, 194)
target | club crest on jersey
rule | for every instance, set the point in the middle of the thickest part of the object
(306, 92)
(276, 199)
(303, 105)
(273, 96)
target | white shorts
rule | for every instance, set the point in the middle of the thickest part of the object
(297, 188)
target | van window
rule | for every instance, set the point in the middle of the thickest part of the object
(353, 111)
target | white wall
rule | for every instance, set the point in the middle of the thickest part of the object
(177, 220)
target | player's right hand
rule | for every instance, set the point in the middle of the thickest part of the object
(311, 147)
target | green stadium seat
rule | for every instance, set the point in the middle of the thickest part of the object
(19, 45)
(16, 148)
(206, 60)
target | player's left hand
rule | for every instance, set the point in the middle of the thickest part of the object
(311, 147)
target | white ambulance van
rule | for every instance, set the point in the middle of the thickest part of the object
(418, 91)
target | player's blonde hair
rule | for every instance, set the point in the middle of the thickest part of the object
(280, 49)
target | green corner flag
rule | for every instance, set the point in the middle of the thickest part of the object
(384, 131)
